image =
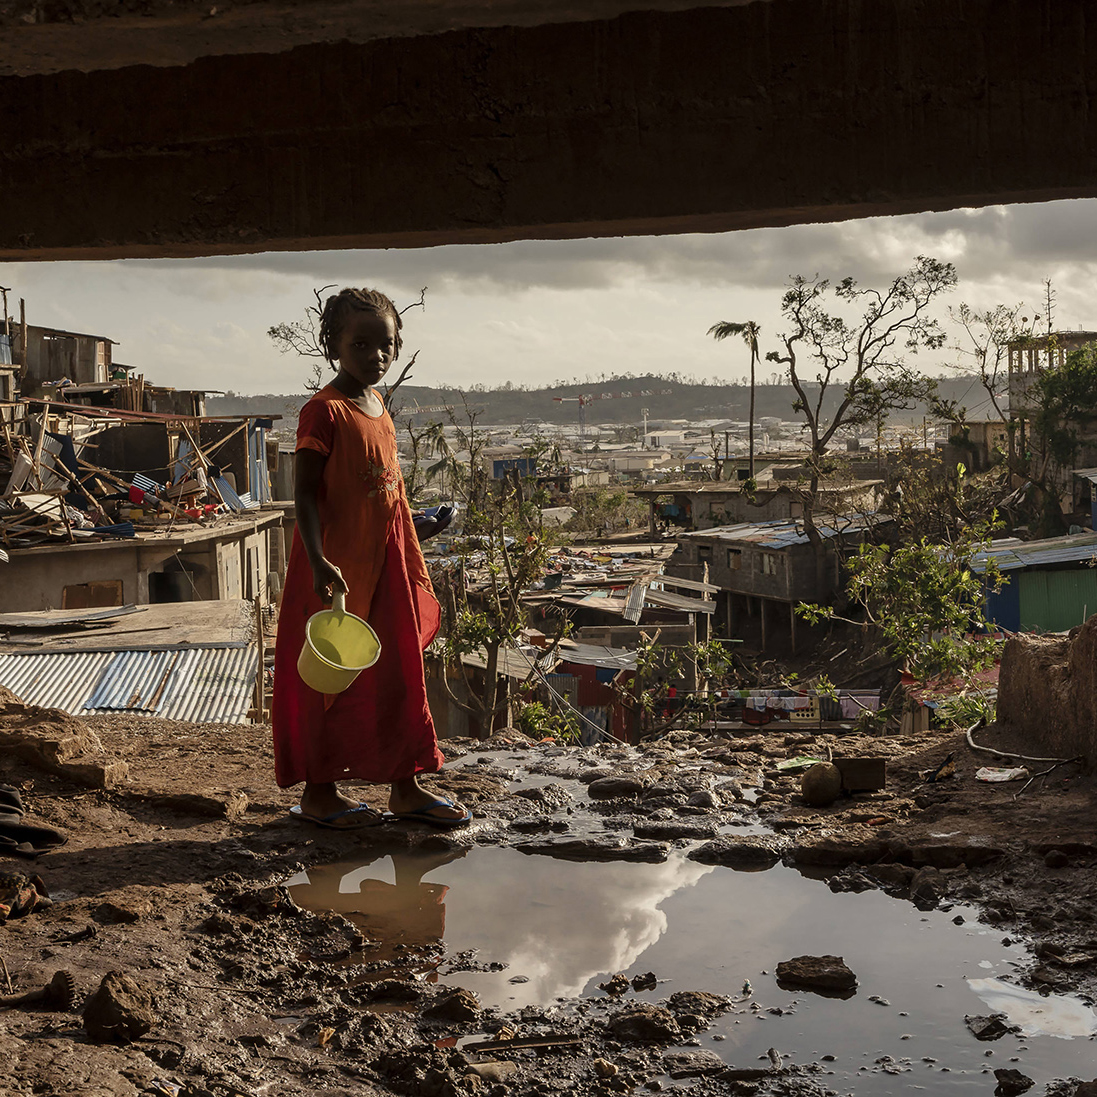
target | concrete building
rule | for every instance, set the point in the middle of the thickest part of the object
(232, 559)
(696, 505)
(763, 569)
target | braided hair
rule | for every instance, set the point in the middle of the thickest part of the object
(339, 305)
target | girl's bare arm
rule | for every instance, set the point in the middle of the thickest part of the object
(308, 474)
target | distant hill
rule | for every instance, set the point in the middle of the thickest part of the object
(616, 401)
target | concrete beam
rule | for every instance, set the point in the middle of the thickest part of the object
(657, 121)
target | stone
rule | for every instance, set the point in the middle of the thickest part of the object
(645, 1024)
(692, 1064)
(646, 981)
(925, 888)
(699, 1002)
(821, 785)
(497, 1071)
(827, 974)
(614, 788)
(607, 848)
(604, 1068)
(615, 986)
(755, 851)
(459, 1005)
(991, 1027)
(1011, 1082)
(675, 828)
(1086, 1089)
(1056, 858)
(553, 797)
(120, 1010)
(703, 798)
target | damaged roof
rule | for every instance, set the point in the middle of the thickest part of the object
(777, 534)
(1012, 554)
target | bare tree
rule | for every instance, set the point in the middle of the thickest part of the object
(303, 337)
(861, 358)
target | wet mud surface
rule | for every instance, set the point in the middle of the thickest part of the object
(611, 922)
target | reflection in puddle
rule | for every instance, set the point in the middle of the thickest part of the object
(1055, 1015)
(558, 928)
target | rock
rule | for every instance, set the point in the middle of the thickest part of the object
(1011, 1082)
(607, 848)
(119, 1011)
(692, 1064)
(925, 888)
(1086, 1089)
(56, 742)
(613, 788)
(459, 1005)
(647, 981)
(821, 785)
(604, 1068)
(127, 913)
(702, 798)
(755, 851)
(644, 1024)
(699, 1002)
(615, 986)
(497, 1071)
(671, 829)
(553, 797)
(827, 974)
(208, 803)
(992, 1027)
(1055, 858)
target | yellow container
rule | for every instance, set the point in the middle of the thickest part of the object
(338, 647)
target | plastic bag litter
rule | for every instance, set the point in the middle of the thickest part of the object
(989, 773)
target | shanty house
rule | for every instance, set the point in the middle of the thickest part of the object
(52, 354)
(700, 506)
(764, 569)
(1051, 585)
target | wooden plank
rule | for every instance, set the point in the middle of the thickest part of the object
(686, 584)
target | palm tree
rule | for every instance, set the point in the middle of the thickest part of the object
(749, 332)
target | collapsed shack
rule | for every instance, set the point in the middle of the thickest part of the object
(102, 507)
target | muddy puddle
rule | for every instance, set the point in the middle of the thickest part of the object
(548, 930)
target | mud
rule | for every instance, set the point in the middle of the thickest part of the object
(181, 880)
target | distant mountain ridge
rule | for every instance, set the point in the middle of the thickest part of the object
(690, 400)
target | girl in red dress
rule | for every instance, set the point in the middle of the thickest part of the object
(355, 533)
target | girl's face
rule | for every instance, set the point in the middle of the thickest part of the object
(365, 346)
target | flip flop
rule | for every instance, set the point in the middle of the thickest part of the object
(423, 815)
(366, 817)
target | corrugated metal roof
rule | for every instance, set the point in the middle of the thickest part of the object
(779, 533)
(203, 685)
(1014, 554)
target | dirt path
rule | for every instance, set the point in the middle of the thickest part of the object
(172, 878)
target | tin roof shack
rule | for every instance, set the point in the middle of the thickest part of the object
(51, 354)
(232, 558)
(1051, 584)
(763, 569)
(699, 506)
(196, 663)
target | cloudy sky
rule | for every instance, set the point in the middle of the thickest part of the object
(537, 311)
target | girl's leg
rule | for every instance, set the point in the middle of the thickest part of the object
(408, 795)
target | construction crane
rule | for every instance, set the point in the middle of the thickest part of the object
(587, 399)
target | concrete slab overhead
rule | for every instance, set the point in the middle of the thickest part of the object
(286, 128)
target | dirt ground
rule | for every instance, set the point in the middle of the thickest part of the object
(172, 878)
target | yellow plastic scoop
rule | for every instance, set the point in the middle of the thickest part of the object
(338, 647)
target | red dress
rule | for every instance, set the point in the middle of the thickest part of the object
(379, 729)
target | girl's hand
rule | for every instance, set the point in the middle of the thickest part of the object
(326, 577)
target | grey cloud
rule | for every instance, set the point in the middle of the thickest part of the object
(985, 244)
